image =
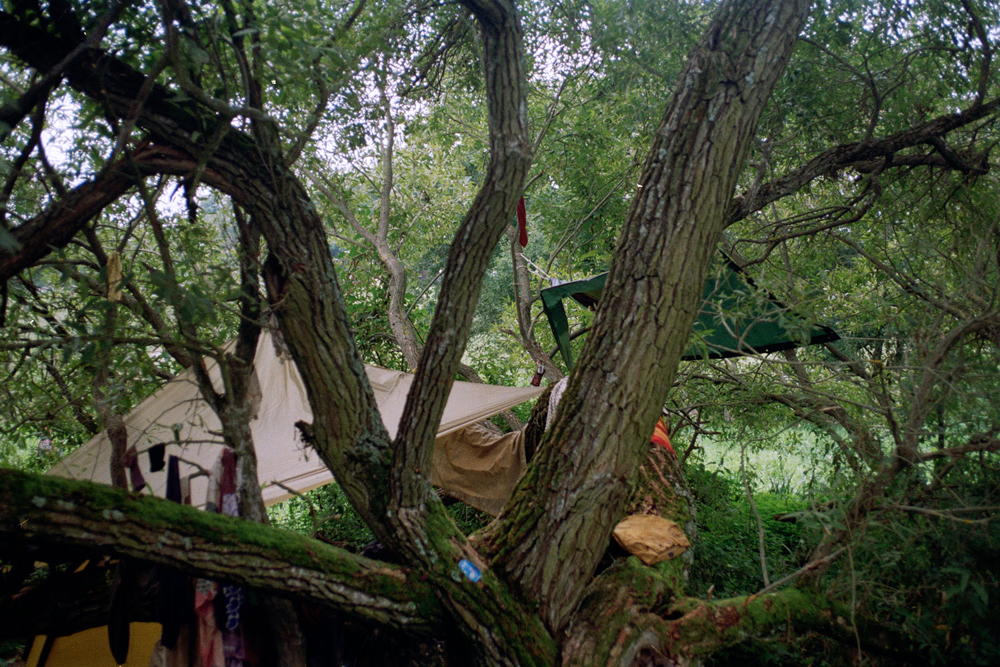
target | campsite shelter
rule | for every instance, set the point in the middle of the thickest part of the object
(479, 471)
(736, 317)
(178, 416)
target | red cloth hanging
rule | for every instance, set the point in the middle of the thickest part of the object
(660, 436)
(522, 223)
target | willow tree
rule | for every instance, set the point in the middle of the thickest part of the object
(537, 600)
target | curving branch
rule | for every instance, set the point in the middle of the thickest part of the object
(976, 26)
(61, 220)
(67, 512)
(478, 234)
(864, 155)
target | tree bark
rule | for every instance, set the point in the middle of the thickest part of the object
(399, 321)
(60, 511)
(522, 304)
(860, 154)
(64, 218)
(552, 534)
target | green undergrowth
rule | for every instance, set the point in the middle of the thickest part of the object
(925, 585)
(727, 564)
(727, 559)
(327, 514)
(935, 580)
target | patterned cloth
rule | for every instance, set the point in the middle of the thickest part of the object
(234, 601)
(221, 647)
(229, 504)
(210, 640)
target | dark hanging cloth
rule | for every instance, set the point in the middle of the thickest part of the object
(174, 480)
(173, 602)
(227, 481)
(156, 454)
(118, 616)
(134, 472)
(522, 223)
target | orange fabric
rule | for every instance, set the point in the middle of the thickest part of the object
(660, 436)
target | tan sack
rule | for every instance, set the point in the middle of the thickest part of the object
(652, 538)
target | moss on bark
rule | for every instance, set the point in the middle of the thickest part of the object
(51, 509)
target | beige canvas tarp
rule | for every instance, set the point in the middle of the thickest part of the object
(481, 471)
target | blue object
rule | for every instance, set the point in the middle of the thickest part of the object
(469, 570)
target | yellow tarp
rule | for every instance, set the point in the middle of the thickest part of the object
(90, 648)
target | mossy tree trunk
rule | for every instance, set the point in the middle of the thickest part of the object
(551, 537)
(626, 610)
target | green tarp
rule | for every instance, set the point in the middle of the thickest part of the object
(736, 317)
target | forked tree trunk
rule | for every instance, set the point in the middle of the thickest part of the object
(544, 550)
(552, 535)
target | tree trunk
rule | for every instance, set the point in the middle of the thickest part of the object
(662, 489)
(522, 303)
(550, 539)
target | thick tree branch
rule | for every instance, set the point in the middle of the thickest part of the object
(983, 444)
(53, 510)
(423, 532)
(861, 153)
(61, 220)
(613, 621)
(510, 158)
(705, 626)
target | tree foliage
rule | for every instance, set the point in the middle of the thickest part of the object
(346, 174)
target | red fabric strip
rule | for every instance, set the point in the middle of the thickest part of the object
(522, 223)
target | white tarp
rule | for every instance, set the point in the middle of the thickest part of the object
(177, 408)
